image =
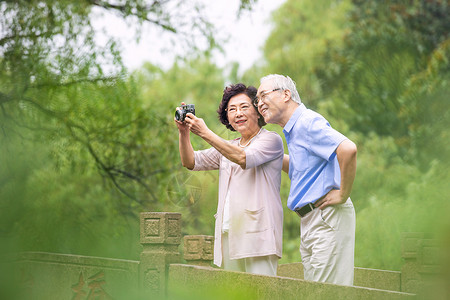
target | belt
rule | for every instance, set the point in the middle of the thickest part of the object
(302, 211)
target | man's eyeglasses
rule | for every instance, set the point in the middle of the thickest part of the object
(263, 95)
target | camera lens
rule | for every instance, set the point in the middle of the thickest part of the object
(179, 115)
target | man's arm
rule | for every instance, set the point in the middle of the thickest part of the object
(346, 156)
(286, 163)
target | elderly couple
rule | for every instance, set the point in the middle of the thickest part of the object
(321, 165)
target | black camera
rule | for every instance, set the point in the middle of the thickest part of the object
(180, 114)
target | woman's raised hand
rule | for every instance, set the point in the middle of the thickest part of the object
(182, 126)
(196, 125)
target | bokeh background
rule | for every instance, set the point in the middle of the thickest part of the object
(88, 142)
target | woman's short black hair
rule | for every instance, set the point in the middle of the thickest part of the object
(231, 91)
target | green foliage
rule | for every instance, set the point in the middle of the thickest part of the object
(419, 208)
(304, 31)
(85, 153)
(369, 77)
(194, 194)
(426, 109)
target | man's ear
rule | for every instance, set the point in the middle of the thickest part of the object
(286, 95)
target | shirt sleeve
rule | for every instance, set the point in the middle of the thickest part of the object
(323, 139)
(267, 147)
(208, 159)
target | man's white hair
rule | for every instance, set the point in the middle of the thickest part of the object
(284, 83)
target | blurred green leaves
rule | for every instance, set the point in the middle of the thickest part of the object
(82, 152)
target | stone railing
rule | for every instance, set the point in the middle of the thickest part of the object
(160, 273)
(371, 278)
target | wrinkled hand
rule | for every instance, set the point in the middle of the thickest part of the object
(332, 198)
(196, 125)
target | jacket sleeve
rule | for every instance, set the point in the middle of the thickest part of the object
(267, 147)
(208, 159)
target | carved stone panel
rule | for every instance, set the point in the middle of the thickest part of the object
(160, 228)
(198, 247)
(411, 244)
(429, 256)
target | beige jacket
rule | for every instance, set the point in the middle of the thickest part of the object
(256, 213)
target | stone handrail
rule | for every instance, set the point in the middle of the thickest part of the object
(160, 275)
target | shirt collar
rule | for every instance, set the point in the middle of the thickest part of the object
(295, 116)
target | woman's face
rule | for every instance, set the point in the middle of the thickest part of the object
(242, 115)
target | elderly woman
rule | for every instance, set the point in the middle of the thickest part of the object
(249, 219)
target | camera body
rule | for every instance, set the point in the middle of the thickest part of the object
(180, 114)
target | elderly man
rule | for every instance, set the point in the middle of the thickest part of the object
(322, 166)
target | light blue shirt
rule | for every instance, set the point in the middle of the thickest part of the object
(313, 165)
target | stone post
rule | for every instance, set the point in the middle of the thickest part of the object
(421, 272)
(199, 250)
(433, 283)
(410, 270)
(160, 238)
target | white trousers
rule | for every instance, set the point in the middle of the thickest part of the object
(327, 244)
(262, 265)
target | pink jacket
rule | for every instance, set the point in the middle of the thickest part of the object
(256, 213)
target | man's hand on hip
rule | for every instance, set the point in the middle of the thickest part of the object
(333, 197)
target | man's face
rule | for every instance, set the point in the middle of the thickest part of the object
(269, 99)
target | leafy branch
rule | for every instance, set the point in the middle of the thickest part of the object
(141, 11)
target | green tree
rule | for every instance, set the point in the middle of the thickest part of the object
(54, 78)
(303, 31)
(69, 112)
(370, 78)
